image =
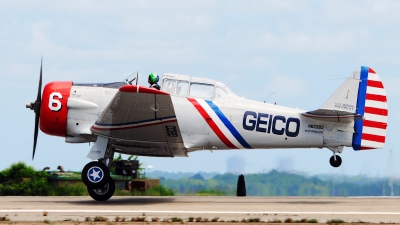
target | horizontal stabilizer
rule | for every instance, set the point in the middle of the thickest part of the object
(333, 115)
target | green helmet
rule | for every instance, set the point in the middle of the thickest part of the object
(153, 78)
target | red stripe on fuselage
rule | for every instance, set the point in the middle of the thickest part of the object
(211, 123)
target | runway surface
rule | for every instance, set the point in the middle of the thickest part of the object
(226, 208)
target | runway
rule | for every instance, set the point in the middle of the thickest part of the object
(226, 208)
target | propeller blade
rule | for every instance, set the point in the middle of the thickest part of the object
(37, 105)
(35, 134)
(39, 95)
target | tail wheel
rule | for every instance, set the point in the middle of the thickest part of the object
(95, 175)
(337, 162)
(104, 193)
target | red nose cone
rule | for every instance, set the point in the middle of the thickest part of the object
(54, 110)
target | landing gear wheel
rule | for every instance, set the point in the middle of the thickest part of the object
(95, 175)
(104, 193)
(337, 162)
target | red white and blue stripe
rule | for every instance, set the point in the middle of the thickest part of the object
(370, 133)
(220, 125)
(133, 125)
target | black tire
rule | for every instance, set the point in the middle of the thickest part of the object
(104, 193)
(100, 170)
(337, 162)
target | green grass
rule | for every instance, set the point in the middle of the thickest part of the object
(176, 219)
(335, 221)
(48, 222)
(211, 193)
(254, 220)
(100, 219)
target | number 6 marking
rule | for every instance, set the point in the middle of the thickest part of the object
(57, 103)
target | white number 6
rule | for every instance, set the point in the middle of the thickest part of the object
(55, 101)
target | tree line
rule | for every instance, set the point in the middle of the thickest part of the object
(20, 179)
(278, 183)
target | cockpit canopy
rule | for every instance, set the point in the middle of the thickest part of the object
(183, 85)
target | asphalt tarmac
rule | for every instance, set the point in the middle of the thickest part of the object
(375, 209)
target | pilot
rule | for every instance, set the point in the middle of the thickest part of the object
(153, 79)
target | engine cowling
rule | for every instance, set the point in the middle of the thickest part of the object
(54, 110)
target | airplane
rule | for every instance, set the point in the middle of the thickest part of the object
(192, 114)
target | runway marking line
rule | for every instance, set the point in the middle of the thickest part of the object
(192, 212)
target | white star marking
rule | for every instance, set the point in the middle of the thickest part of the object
(95, 174)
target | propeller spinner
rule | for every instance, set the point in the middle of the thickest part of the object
(35, 106)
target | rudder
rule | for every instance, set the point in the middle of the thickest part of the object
(370, 133)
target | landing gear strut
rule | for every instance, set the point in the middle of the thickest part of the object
(335, 161)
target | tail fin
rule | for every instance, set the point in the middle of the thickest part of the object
(360, 99)
(370, 133)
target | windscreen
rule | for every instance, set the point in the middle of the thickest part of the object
(169, 86)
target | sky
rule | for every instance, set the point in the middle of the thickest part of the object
(300, 51)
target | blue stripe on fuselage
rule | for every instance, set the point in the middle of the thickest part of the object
(361, 98)
(228, 124)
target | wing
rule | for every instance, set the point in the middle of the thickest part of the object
(141, 121)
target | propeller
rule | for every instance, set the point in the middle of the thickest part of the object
(35, 106)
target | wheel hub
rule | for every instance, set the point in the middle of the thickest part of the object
(95, 174)
(102, 191)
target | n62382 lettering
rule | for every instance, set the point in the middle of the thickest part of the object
(266, 123)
